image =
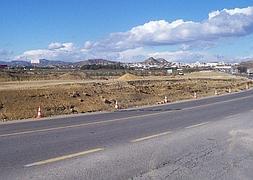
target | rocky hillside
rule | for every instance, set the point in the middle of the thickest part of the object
(94, 62)
(153, 61)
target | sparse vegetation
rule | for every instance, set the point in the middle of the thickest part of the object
(100, 66)
(77, 92)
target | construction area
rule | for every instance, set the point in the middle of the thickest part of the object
(20, 97)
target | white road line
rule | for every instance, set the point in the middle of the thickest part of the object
(150, 137)
(231, 116)
(197, 125)
(219, 102)
(83, 124)
(64, 157)
(119, 119)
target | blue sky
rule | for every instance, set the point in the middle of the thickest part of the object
(74, 30)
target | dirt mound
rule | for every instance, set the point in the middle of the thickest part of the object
(73, 76)
(129, 77)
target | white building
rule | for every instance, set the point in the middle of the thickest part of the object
(35, 61)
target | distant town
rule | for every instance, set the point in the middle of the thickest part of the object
(244, 68)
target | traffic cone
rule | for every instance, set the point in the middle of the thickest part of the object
(165, 99)
(39, 115)
(195, 95)
(116, 105)
(247, 86)
(215, 92)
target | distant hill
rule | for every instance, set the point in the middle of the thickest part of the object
(94, 62)
(4, 63)
(162, 61)
(19, 63)
(52, 63)
(153, 61)
(248, 64)
(48, 63)
(43, 63)
(99, 62)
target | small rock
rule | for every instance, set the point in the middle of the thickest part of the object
(106, 101)
(61, 108)
(73, 110)
(86, 94)
(1, 106)
(48, 108)
(75, 94)
(113, 101)
(3, 117)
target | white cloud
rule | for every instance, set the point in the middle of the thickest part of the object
(88, 45)
(220, 24)
(182, 56)
(130, 55)
(55, 45)
(61, 46)
(243, 11)
(55, 51)
(202, 45)
(71, 53)
(188, 56)
(132, 44)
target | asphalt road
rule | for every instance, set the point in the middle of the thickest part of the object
(210, 138)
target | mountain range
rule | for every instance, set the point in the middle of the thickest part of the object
(51, 63)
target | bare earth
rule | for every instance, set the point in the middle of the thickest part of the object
(65, 95)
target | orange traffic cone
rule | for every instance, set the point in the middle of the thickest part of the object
(116, 105)
(39, 115)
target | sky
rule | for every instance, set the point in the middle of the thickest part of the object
(127, 31)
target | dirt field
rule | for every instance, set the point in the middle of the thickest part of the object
(21, 99)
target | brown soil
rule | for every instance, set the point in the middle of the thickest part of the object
(129, 77)
(41, 75)
(73, 76)
(19, 101)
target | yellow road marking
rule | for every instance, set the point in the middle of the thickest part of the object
(150, 137)
(64, 157)
(116, 120)
(197, 125)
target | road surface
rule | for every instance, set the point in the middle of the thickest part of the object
(209, 138)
